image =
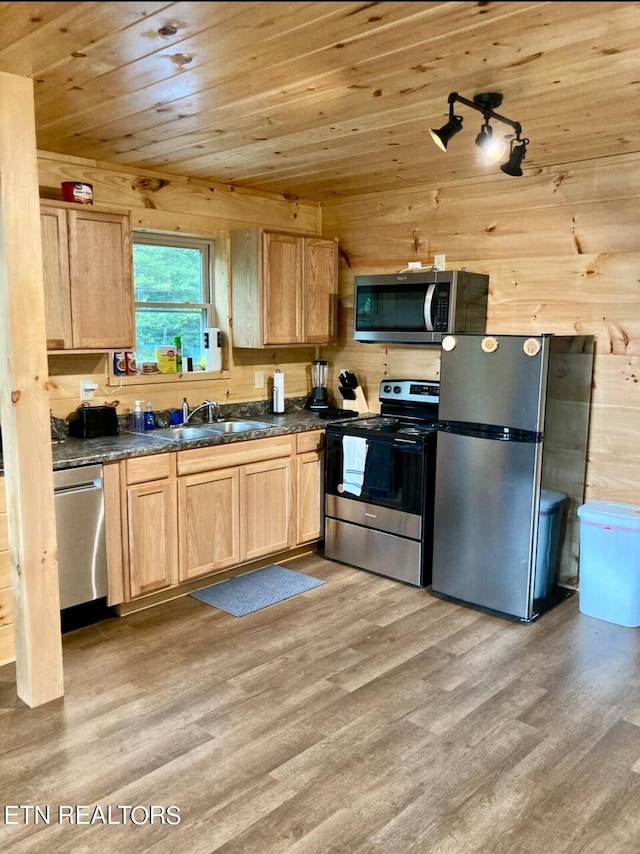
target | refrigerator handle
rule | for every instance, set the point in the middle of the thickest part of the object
(428, 308)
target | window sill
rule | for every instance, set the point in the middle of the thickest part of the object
(150, 379)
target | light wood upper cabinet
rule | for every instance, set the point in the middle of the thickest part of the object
(319, 289)
(284, 288)
(57, 290)
(87, 279)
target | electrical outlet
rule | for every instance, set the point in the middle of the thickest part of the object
(259, 379)
(87, 389)
(414, 265)
(439, 262)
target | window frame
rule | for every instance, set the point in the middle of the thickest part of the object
(207, 246)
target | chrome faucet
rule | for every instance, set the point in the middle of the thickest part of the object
(213, 411)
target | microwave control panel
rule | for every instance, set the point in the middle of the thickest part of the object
(441, 313)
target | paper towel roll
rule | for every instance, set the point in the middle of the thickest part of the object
(212, 349)
(278, 391)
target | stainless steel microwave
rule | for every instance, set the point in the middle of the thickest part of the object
(419, 307)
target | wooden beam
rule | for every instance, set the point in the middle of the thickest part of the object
(24, 404)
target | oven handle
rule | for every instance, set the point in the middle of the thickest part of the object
(428, 307)
(408, 444)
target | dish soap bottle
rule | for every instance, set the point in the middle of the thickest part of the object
(137, 419)
(149, 418)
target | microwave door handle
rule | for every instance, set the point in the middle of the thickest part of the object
(428, 306)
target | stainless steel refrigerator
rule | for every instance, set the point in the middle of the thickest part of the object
(513, 419)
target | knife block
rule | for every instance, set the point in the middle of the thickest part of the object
(354, 399)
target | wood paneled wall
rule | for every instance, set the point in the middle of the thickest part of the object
(168, 203)
(562, 250)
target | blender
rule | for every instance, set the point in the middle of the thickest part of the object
(319, 397)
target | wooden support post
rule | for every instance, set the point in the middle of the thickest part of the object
(24, 404)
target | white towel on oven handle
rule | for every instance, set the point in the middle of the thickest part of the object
(354, 457)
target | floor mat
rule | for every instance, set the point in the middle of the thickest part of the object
(255, 590)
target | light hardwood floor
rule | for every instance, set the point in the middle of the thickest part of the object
(362, 716)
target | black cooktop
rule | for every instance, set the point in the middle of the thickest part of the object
(385, 424)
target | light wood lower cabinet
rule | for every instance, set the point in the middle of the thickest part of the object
(209, 522)
(265, 508)
(175, 517)
(141, 524)
(153, 537)
(7, 643)
(309, 486)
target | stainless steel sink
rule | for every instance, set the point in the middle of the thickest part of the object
(238, 426)
(185, 432)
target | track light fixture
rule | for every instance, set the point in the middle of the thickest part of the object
(491, 147)
(517, 153)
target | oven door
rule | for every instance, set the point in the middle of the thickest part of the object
(393, 472)
(392, 496)
(388, 527)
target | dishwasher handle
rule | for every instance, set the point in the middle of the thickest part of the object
(78, 487)
(78, 477)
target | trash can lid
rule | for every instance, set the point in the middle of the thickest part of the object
(611, 513)
(550, 499)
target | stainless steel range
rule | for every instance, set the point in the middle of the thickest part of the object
(379, 484)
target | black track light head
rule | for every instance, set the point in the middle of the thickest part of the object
(442, 136)
(517, 153)
(492, 148)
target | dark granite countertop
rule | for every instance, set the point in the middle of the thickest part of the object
(79, 452)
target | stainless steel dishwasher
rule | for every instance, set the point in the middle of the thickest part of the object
(82, 558)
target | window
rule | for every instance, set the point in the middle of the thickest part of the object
(172, 292)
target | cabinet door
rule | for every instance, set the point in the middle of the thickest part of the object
(265, 508)
(153, 536)
(208, 513)
(100, 273)
(55, 263)
(282, 270)
(319, 289)
(309, 498)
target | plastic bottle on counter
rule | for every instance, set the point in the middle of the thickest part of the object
(137, 419)
(149, 418)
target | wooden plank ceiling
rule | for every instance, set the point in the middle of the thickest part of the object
(319, 100)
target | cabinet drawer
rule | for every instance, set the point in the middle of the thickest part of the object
(156, 467)
(234, 454)
(311, 441)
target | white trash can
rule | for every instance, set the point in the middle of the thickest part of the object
(609, 584)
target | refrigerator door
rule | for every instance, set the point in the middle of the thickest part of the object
(486, 499)
(504, 386)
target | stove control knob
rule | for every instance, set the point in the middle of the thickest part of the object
(396, 389)
(386, 389)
